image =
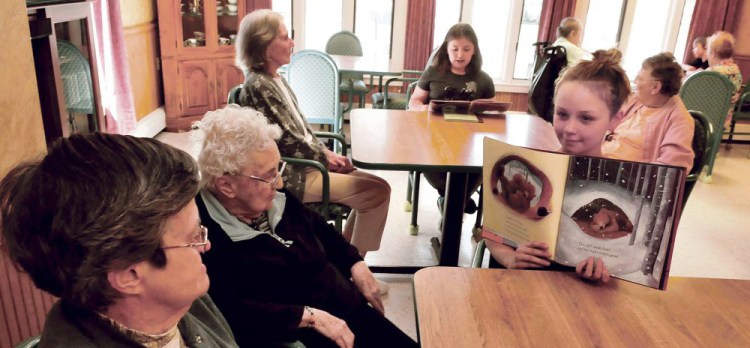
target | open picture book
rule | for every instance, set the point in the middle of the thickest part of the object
(463, 110)
(624, 212)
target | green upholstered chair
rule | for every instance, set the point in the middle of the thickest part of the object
(75, 72)
(345, 43)
(399, 100)
(710, 93)
(702, 147)
(741, 114)
(330, 211)
(30, 342)
(314, 78)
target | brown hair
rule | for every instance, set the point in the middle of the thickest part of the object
(95, 203)
(604, 74)
(721, 44)
(700, 40)
(457, 31)
(665, 70)
(257, 30)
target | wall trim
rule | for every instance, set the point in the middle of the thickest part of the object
(151, 125)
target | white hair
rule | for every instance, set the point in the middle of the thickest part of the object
(224, 136)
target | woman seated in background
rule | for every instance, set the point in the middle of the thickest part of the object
(720, 52)
(108, 224)
(263, 45)
(456, 74)
(701, 58)
(656, 127)
(279, 271)
(588, 97)
(570, 36)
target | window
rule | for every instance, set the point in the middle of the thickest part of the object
(447, 13)
(639, 28)
(284, 7)
(372, 25)
(532, 9)
(323, 18)
(506, 31)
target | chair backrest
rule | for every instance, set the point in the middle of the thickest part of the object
(75, 72)
(702, 147)
(234, 95)
(710, 93)
(314, 78)
(344, 43)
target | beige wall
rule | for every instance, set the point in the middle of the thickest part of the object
(743, 28)
(142, 46)
(22, 133)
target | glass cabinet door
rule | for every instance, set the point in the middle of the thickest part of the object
(73, 48)
(227, 21)
(193, 23)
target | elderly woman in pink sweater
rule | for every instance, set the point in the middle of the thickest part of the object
(657, 127)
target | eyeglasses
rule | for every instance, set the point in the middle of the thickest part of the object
(202, 243)
(272, 182)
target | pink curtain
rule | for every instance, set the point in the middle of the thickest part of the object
(553, 11)
(420, 26)
(710, 16)
(112, 63)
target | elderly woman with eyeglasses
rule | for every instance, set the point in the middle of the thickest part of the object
(108, 223)
(263, 46)
(279, 271)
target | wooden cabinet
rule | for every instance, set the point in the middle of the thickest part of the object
(197, 49)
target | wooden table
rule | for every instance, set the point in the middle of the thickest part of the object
(463, 307)
(421, 141)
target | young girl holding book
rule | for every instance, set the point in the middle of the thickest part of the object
(588, 97)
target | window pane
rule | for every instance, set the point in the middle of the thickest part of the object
(687, 17)
(532, 9)
(647, 35)
(447, 13)
(284, 7)
(372, 24)
(491, 21)
(602, 24)
(322, 20)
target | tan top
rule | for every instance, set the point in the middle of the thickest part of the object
(628, 145)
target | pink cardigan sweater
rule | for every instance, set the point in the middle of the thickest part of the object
(668, 135)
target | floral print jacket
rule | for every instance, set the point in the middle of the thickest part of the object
(261, 93)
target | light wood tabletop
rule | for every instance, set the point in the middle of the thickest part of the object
(414, 140)
(464, 307)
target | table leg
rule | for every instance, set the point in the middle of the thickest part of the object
(453, 214)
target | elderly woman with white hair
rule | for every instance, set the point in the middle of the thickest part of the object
(263, 45)
(279, 271)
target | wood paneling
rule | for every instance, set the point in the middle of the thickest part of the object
(142, 46)
(23, 306)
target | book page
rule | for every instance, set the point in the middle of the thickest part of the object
(523, 192)
(623, 212)
(460, 117)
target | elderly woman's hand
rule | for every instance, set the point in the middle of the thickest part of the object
(331, 327)
(337, 163)
(367, 285)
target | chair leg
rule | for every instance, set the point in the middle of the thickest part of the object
(414, 227)
(711, 158)
(731, 134)
(338, 223)
(409, 181)
(478, 223)
(362, 97)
